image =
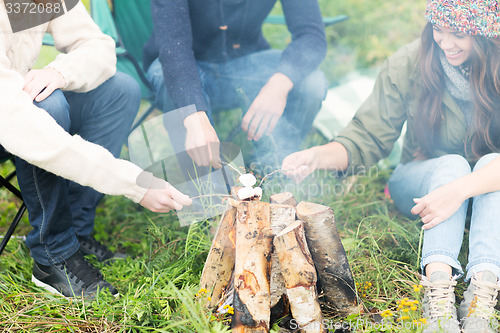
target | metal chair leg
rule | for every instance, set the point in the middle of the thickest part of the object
(12, 227)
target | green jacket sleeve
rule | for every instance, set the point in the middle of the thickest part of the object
(371, 134)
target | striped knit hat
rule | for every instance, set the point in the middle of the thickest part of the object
(474, 17)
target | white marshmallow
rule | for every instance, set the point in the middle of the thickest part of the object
(257, 192)
(247, 180)
(245, 192)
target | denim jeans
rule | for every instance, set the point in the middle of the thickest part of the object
(443, 242)
(59, 210)
(220, 82)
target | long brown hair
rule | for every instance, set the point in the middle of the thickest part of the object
(485, 89)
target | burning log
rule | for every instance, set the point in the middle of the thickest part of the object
(216, 275)
(284, 198)
(263, 283)
(251, 269)
(300, 277)
(329, 257)
(281, 217)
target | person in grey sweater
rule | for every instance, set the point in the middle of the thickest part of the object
(203, 53)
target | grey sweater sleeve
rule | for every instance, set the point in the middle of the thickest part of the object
(173, 36)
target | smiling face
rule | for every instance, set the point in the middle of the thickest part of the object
(457, 46)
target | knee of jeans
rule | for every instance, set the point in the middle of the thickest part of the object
(314, 87)
(127, 85)
(154, 74)
(485, 160)
(57, 107)
(451, 166)
(126, 88)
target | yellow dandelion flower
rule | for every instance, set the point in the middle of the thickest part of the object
(406, 310)
(386, 313)
(209, 298)
(413, 308)
(423, 320)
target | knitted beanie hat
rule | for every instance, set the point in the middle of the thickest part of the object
(474, 17)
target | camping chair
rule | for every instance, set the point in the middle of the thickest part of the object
(5, 183)
(134, 25)
(130, 24)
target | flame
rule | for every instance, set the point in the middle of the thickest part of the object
(232, 237)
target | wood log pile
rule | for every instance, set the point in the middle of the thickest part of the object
(269, 260)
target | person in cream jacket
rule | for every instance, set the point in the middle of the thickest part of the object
(66, 124)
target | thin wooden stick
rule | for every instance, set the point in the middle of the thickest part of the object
(210, 195)
(269, 174)
(238, 171)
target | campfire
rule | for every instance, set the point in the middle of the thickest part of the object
(271, 260)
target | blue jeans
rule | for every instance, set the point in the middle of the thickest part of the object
(443, 242)
(220, 82)
(60, 210)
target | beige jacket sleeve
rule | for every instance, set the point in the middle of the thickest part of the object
(30, 133)
(88, 56)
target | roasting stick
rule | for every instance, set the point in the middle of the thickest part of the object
(269, 174)
(232, 167)
(209, 195)
(225, 195)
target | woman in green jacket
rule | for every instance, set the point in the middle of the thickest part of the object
(446, 87)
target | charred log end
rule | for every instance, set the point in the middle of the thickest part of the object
(243, 321)
(346, 290)
(241, 314)
(280, 310)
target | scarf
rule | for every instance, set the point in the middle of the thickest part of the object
(457, 83)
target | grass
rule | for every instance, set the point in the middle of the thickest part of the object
(159, 287)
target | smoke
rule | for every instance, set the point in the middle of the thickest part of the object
(161, 152)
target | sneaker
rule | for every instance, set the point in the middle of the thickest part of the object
(74, 277)
(89, 245)
(439, 303)
(477, 310)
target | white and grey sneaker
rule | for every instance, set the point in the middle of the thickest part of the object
(477, 310)
(439, 303)
(74, 277)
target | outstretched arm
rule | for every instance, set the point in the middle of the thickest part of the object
(332, 156)
(443, 202)
(162, 197)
